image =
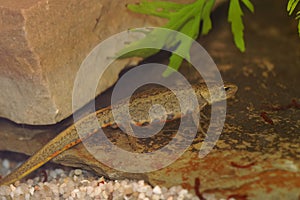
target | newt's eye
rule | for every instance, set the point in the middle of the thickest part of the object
(226, 88)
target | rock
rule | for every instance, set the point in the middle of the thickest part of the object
(77, 172)
(128, 190)
(157, 190)
(252, 158)
(42, 46)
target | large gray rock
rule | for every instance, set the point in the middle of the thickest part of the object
(43, 43)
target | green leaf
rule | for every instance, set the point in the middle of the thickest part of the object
(207, 25)
(179, 19)
(235, 18)
(290, 8)
(175, 62)
(183, 48)
(249, 5)
(298, 18)
(147, 8)
(186, 19)
(289, 5)
(168, 6)
(137, 48)
(191, 27)
(292, 5)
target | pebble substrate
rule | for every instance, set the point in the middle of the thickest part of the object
(73, 184)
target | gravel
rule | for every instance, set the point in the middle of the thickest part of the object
(70, 184)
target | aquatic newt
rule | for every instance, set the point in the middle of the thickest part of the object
(139, 106)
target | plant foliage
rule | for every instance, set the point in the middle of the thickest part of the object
(291, 8)
(191, 19)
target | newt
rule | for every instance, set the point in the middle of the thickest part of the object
(139, 106)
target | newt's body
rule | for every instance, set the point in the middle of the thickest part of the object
(139, 110)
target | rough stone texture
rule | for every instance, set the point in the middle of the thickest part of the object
(255, 157)
(43, 43)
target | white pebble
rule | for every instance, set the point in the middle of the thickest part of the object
(27, 196)
(53, 174)
(18, 191)
(77, 172)
(85, 182)
(104, 195)
(110, 187)
(74, 193)
(4, 190)
(183, 192)
(79, 184)
(141, 182)
(149, 191)
(59, 171)
(142, 196)
(142, 188)
(157, 190)
(54, 188)
(117, 185)
(89, 190)
(31, 190)
(30, 182)
(128, 190)
(97, 191)
(62, 188)
(6, 164)
(155, 197)
(12, 187)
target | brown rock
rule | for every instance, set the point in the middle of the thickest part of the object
(42, 46)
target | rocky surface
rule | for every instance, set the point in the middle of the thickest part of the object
(257, 155)
(42, 46)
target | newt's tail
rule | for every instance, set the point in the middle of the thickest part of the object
(57, 145)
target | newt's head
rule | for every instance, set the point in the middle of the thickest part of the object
(219, 93)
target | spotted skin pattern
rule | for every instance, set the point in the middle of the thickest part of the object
(139, 112)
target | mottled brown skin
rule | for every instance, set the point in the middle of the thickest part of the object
(139, 110)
